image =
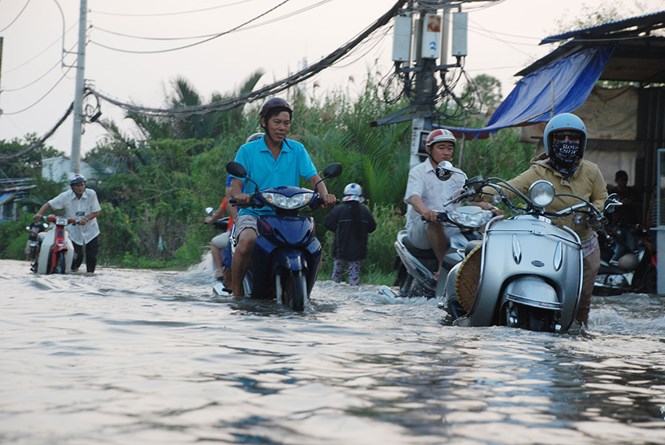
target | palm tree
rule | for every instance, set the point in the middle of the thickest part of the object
(197, 126)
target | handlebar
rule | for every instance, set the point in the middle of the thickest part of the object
(53, 219)
(475, 186)
(257, 200)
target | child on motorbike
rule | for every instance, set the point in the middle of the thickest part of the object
(351, 221)
(220, 243)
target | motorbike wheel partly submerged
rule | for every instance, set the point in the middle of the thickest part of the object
(530, 318)
(56, 263)
(291, 290)
(61, 265)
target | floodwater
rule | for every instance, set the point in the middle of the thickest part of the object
(151, 357)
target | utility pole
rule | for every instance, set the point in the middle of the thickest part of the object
(421, 37)
(78, 92)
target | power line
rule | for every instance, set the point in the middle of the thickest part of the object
(17, 16)
(201, 36)
(41, 98)
(41, 140)
(162, 14)
(12, 90)
(379, 40)
(194, 43)
(271, 89)
(22, 64)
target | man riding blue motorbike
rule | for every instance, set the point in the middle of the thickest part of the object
(271, 161)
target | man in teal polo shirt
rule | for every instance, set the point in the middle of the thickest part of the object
(271, 161)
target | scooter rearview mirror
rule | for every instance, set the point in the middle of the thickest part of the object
(611, 202)
(236, 169)
(444, 170)
(332, 170)
(475, 183)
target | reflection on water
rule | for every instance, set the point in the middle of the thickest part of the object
(152, 357)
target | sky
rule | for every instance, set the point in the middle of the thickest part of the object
(35, 90)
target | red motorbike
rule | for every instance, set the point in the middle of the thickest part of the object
(56, 251)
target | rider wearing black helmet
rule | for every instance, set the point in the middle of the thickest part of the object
(271, 161)
(81, 204)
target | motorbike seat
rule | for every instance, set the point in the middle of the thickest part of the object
(416, 252)
(606, 269)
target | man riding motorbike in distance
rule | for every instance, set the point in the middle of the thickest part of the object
(563, 165)
(271, 161)
(426, 193)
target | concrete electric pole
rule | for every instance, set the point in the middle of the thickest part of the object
(78, 92)
(420, 51)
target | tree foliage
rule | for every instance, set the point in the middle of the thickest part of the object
(23, 158)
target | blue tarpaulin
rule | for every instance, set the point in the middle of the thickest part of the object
(4, 197)
(560, 86)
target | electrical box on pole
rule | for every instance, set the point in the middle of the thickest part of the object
(418, 136)
(431, 39)
(445, 33)
(460, 26)
(402, 38)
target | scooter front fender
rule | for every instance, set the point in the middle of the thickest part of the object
(532, 261)
(45, 252)
(532, 291)
(289, 259)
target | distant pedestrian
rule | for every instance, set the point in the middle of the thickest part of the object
(352, 222)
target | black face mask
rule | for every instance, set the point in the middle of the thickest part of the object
(567, 152)
(564, 156)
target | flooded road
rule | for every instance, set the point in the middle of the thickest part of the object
(146, 357)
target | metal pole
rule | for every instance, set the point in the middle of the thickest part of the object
(425, 91)
(78, 92)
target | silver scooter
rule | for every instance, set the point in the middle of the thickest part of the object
(528, 271)
(416, 267)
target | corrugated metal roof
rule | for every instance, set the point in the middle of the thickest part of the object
(641, 23)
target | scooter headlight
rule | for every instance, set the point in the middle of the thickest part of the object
(541, 193)
(288, 202)
(470, 216)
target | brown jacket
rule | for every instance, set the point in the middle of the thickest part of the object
(587, 182)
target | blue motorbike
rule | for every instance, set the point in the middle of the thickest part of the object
(287, 253)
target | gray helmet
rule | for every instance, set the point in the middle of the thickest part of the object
(76, 179)
(253, 137)
(273, 106)
(353, 192)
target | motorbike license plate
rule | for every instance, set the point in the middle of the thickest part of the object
(61, 221)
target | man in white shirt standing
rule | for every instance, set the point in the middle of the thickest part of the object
(82, 205)
(426, 194)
